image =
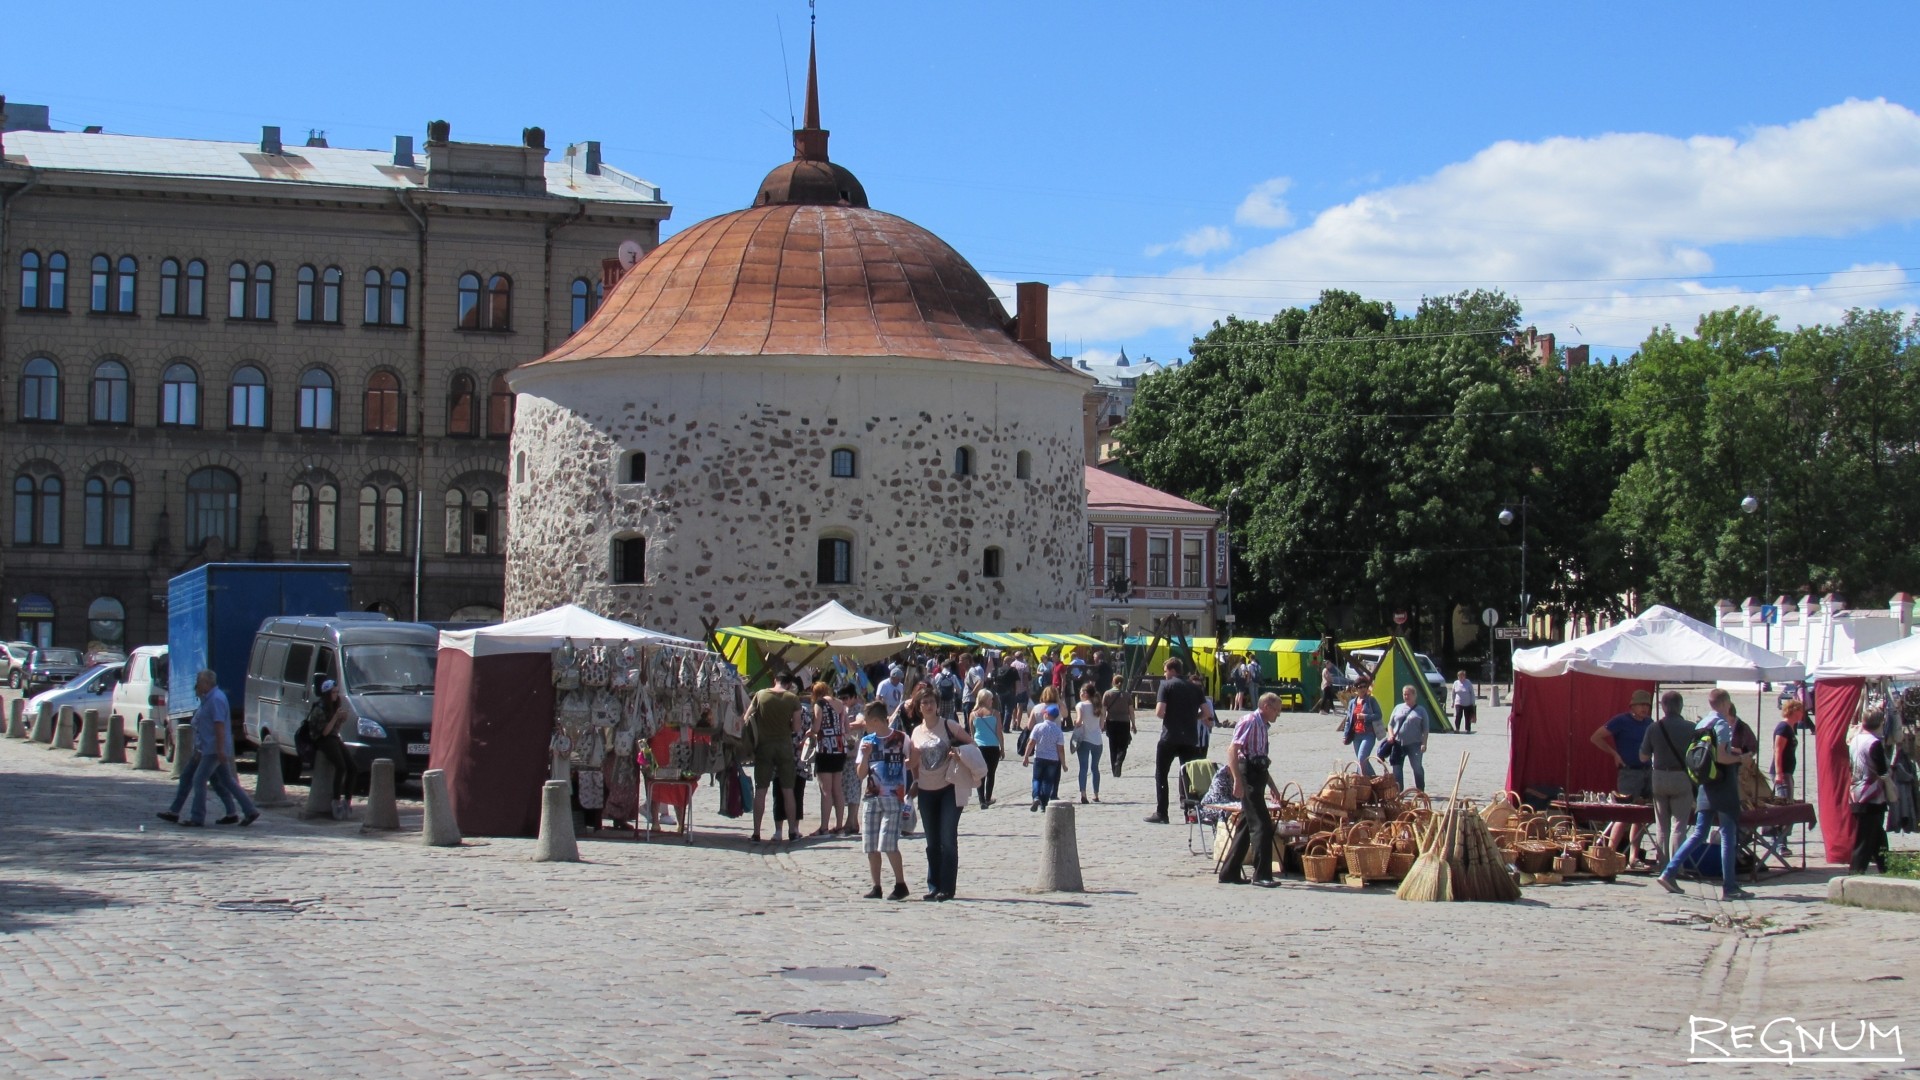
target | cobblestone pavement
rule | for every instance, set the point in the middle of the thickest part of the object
(126, 952)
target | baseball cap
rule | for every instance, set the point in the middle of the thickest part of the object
(326, 685)
(1053, 710)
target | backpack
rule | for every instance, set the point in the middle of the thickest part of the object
(1006, 682)
(948, 688)
(1702, 757)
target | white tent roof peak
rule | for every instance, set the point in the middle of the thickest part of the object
(1662, 645)
(1894, 660)
(538, 633)
(831, 622)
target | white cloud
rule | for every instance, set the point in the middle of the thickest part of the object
(1576, 228)
(1204, 240)
(1265, 207)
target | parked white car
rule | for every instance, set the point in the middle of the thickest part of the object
(142, 693)
(91, 689)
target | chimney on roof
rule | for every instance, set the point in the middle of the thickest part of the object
(1545, 343)
(610, 271)
(1576, 356)
(92, 129)
(316, 138)
(403, 151)
(270, 139)
(1030, 318)
(584, 157)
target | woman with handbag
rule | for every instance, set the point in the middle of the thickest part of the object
(1087, 741)
(940, 800)
(829, 760)
(1361, 727)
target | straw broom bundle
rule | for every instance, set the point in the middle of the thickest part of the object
(1458, 859)
(1433, 873)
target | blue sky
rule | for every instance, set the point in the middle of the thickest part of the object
(1615, 166)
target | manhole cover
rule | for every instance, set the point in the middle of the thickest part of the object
(825, 1018)
(833, 974)
(259, 907)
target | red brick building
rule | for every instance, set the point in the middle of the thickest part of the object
(1149, 555)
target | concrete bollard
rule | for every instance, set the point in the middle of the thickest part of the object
(17, 719)
(43, 725)
(146, 751)
(319, 789)
(116, 753)
(89, 734)
(63, 732)
(1496, 696)
(382, 812)
(437, 827)
(182, 750)
(1060, 852)
(556, 843)
(269, 789)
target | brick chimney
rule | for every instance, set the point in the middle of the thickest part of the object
(270, 139)
(1545, 344)
(610, 271)
(1030, 318)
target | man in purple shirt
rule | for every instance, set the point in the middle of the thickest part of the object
(1252, 778)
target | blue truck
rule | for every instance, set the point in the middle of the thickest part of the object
(214, 610)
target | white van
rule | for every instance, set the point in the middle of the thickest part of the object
(384, 668)
(142, 693)
(1428, 668)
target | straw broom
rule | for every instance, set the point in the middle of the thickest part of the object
(1432, 876)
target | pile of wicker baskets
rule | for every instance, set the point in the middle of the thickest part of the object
(1548, 847)
(1359, 826)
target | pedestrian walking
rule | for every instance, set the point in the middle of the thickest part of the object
(829, 760)
(1718, 801)
(1328, 699)
(1361, 727)
(1867, 754)
(1407, 735)
(881, 763)
(1088, 740)
(772, 721)
(1117, 706)
(856, 725)
(212, 763)
(1252, 773)
(1466, 702)
(1180, 708)
(326, 727)
(1044, 753)
(941, 802)
(1664, 749)
(986, 735)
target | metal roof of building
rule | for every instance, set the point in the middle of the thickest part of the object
(1117, 494)
(202, 159)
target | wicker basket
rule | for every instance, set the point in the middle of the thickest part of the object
(1602, 861)
(1567, 862)
(1500, 810)
(1382, 789)
(1536, 856)
(1318, 863)
(1366, 855)
(1399, 864)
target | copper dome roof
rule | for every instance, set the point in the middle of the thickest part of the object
(808, 270)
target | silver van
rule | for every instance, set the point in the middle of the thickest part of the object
(384, 668)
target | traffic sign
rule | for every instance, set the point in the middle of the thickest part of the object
(1770, 614)
(1490, 617)
(1509, 633)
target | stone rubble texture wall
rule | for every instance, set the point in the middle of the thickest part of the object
(738, 491)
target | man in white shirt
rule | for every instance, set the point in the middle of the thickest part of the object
(1466, 699)
(891, 690)
(1407, 736)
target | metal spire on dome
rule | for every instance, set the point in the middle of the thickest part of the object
(810, 141)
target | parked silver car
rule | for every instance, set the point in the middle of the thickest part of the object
(91, 689)
(13, 662)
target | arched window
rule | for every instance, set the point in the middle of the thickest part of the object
(316, 517)
(237, 291)
(170, 288)
(180, 396)
(372, 304)
(460, 405)
(472, 525)
(383, 507)
(110, 392)
(316, 401)
(499, 302)
(126, 281)
(397, 298)
(963, 461)
(305, 279)
(30, 286)
(582, 298)
(456, 525)
(36, 508)
(843, 463)
(109, 512)
(247, 407)
(213, 507)
(196, 306)
(262, 292)
(40, 391)
(499, 407)
(56, 294)
(381, 410)
(1023, 465)
(835, 560)
(330, 281)
(469, 301)
(102, 283)
(991, 561)
(107, 624)
(629, 560)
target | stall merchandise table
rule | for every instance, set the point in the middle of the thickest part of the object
(1752, 819)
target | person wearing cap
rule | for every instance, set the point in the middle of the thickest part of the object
(892, 689)
(325, 721)
(1045, 751)
(1620, 739)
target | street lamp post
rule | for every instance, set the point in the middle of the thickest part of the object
(1749, 506)
(1526, 611)
(1226, 564)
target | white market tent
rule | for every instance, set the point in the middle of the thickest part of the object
(1661, 645)
(847, 634)
(539, 633)
(1894, 660)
